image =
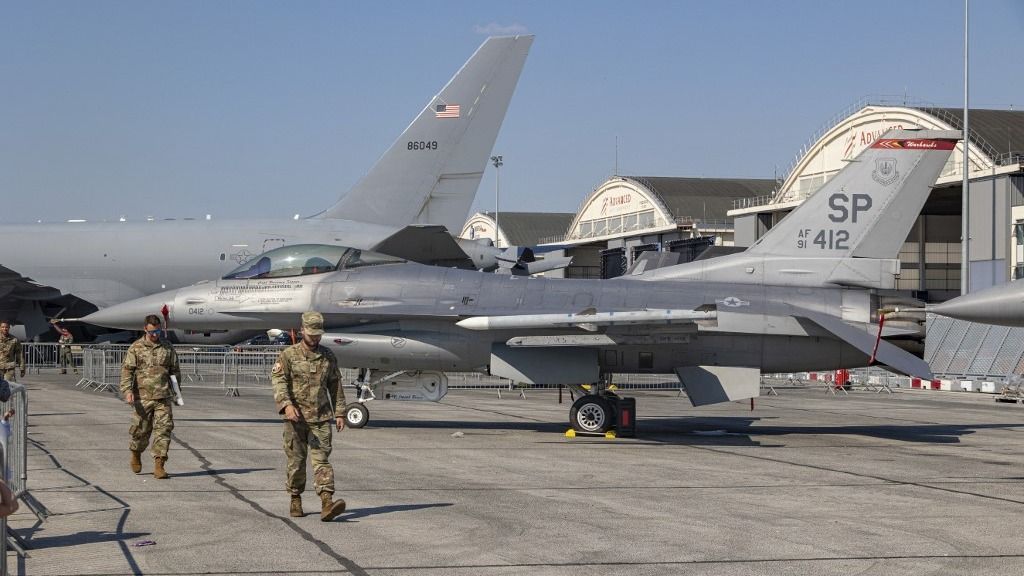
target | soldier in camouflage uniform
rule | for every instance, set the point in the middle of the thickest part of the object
(65, 341)
(146, 374)
(12, 359)
(307, 391)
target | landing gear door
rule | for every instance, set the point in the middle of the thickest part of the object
(562, 365)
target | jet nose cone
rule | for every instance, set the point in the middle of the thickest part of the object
(131, 315)
(1001, 305)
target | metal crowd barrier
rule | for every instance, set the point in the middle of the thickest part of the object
(247, 369)
(46, 356)
(101, 367)
(3, 523)
(14, 465)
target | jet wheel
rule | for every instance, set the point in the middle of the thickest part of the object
(591, 414)
(356, 415)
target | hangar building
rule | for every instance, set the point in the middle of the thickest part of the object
(931, 255)
(628, 215)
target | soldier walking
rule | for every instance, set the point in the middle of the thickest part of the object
(308, 394)
(65, 341)
(12, 359)
(146, 374)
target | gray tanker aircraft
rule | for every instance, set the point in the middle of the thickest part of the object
(806, 296)
(423, 184)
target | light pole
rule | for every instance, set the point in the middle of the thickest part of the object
(496, 160)
(965, 202)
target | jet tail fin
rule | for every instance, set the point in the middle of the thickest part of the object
(430, 175)
(868, 208)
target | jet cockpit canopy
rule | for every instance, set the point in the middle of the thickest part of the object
(305, 259)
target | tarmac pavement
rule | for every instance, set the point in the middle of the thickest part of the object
(807, 483)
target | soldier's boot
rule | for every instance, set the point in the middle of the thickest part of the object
(136, 462)
(63, 370)
(295, 510)
(158, 468)
(330, 510)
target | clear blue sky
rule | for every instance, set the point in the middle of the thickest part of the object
(267, 109)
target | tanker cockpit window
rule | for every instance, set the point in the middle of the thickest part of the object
(287, 261)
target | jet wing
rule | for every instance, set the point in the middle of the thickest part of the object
(425, 244)
(888, 354)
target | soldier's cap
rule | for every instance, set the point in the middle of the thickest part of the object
(312, 323)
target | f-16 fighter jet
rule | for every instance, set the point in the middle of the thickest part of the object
(804, 297)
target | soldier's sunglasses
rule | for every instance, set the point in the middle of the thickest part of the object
(156, 332)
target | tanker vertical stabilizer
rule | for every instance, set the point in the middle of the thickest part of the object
(430, 175)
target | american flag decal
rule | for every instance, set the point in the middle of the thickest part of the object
(446, 111)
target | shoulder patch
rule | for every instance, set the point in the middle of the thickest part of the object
(277, 368)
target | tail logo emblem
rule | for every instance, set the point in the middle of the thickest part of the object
(885, 171)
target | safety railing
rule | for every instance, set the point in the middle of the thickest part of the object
(14, 465)
(101, 367)
(245, 369)
(3, 523)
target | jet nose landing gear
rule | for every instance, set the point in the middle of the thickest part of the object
(356, 415)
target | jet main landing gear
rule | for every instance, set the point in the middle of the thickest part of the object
(598, 411)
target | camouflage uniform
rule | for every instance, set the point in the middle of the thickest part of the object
(65, 342)
(146, 372)
(11, 358)
(310, 381)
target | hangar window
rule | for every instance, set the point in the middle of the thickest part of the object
(615, 224)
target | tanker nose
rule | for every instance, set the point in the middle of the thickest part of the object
(1001, 305)
(131, 315)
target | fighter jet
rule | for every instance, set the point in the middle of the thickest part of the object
(422, 186)
(805, 297)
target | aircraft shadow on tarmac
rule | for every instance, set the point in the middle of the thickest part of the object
(528, 426)
(218, 472)
(87, 537)
(377, 510)
(746, 431)
(720, 431)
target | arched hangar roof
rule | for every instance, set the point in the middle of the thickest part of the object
(997, 140)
